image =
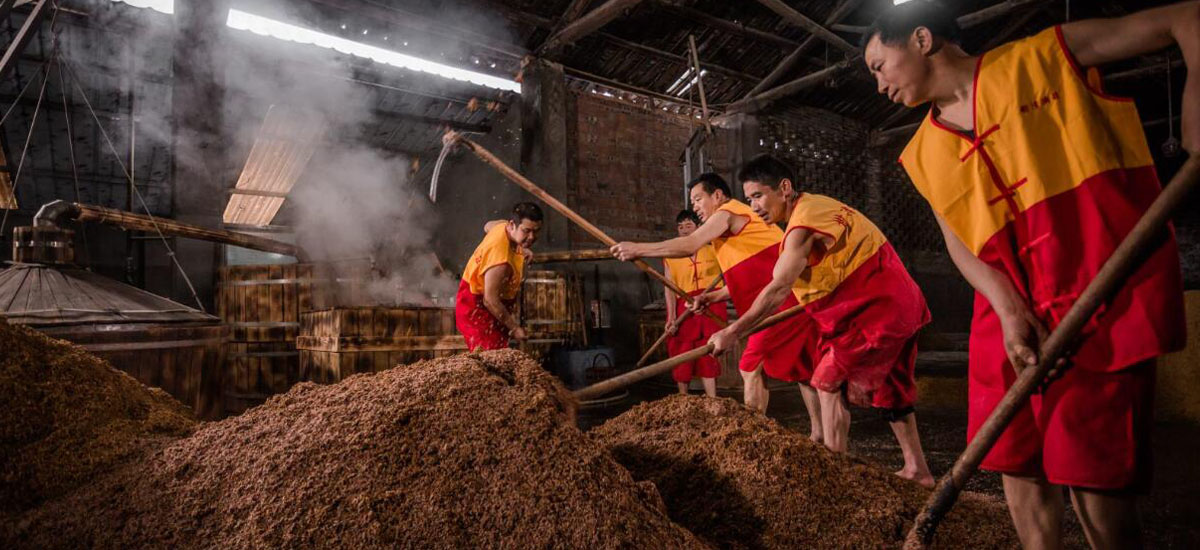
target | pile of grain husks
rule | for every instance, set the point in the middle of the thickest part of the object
(474, 451)
(68, 417)
(737, 479)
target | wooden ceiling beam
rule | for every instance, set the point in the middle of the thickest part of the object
(789, 63)
(588, 24)
(741, 29)
(627, 44)
(800, 20)
(764, 99)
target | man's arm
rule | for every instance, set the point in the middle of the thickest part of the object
(791, 263)
(494, 279)
(1099, 41)
(668, 296)
(1023, 331)
(679, 247)
(719, 295)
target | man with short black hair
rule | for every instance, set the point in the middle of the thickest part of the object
(868, 310)
(484, 306)
(693, 274)
(1035, 175)
(746, 250)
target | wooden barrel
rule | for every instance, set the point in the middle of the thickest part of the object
(335, 343)
(261, 304)
(651, 321)
(551, 306)
(43, 245)
(184, 359)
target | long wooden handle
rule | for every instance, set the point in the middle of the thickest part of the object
(675, 325)
(572, 256)
(1141, 241)
(563, 209)
(634, 376)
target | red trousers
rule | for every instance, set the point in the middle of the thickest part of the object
(479, 327)
(693, 333)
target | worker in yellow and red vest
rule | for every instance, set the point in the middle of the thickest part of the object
(838, 264)
(1035, 175)
(693, 274)
(747, 248)
(484, 309)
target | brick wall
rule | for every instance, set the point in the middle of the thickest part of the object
(625, 172)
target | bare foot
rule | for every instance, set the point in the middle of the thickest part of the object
(816, 437)
(924, 479)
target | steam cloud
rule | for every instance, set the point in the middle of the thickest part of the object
(355, 201)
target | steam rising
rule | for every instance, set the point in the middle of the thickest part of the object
(355, 200)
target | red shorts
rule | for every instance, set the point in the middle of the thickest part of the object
(694, 333)
(875, 374)
(479, 327)
(1088, 429)
(786, 350)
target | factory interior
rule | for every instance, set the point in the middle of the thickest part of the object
(249, 300)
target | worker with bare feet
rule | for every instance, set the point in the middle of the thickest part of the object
(746, 251)
(1035, 175)
(484, 306)
(838, 264)
(693, 275)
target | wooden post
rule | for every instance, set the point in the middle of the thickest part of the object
(1116, 270)
(563, 209)
(700, 84)
(618, 382)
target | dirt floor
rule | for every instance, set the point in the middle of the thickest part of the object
(1170, 515)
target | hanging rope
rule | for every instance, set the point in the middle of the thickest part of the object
(45, 72)
(62, 86)
(136, 192)
(37, 109)
(21, 95)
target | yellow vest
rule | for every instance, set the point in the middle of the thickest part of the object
(1041, 129)
(1055, 176)
(855, 240)
(695, 273)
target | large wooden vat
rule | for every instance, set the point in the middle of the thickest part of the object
(551, 308)
(335, 343)
(160, 342)
(651, 321)
(261, 304)
(182, 359)
(551, 305)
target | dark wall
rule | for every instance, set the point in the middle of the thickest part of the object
(904, 216)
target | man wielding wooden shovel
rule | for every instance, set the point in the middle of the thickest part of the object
(1036, 175)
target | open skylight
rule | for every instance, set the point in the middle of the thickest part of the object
(286, 31)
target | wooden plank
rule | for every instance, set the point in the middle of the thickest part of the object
(448, 342)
